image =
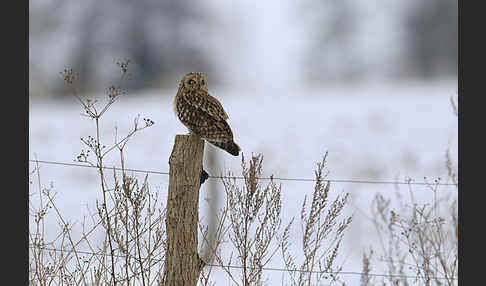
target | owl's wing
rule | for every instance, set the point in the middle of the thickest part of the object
(218, 107)
(208, 104)
(204, 117)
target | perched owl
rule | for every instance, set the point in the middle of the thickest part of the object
(202, 114)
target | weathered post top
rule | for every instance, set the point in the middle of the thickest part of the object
(182, 264)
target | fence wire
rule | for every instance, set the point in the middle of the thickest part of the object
(357, 181)
(263, 268)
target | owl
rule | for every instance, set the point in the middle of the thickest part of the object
(202, 114)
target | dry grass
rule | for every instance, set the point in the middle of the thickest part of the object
(323, 227)
(253, 215)
(128, 215)
(250, 225)
(367, 268)
(417, 238)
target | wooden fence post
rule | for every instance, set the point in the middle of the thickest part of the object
(182, 262)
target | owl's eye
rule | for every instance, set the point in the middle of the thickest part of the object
(191, 82)
(203, 82)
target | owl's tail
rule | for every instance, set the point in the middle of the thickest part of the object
(229, 146)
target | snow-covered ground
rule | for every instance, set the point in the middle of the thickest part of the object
(372, 132)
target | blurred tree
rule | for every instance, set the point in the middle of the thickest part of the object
(352, 40)
(330, 54)
(43, 29)
(432, 36)
(161, 39)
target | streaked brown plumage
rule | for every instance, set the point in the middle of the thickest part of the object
(202, 114)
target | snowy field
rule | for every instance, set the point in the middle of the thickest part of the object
(371, 132)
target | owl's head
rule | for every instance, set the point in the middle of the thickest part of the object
(194, 81)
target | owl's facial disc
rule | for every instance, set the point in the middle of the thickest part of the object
(194, 80)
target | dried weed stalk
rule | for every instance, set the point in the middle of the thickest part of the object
(420, 238)
(253, 211)
(323, 227)
(366, 279)
(128, 214)
(212, 240)
(57, 261)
